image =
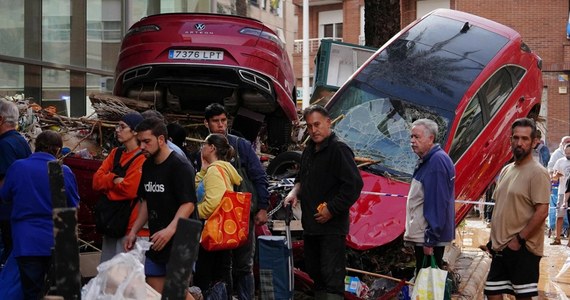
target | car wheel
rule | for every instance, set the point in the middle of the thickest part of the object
(284, 165)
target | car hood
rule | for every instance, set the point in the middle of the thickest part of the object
(378, 216)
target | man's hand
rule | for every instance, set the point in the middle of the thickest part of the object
(118, 180)
(291, 199)
(260, 217)
(323, 216)
(129, 241)
(161, 238)
(428, 250)
(514, 244)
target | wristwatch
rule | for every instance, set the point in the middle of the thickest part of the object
(520, 239)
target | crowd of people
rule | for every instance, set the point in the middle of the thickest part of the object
(150, 173)
(161, 183)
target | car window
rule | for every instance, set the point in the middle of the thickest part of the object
(470, 125)
(377, 127)
(496, 90)
(518, 72)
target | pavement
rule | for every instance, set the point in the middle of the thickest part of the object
(554, 281)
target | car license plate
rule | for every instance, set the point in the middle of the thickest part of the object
(196, 54)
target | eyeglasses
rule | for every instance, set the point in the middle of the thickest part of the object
(121, 127)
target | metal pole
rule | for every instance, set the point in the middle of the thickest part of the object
(306, 84)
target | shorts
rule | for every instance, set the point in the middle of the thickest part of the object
(153, 269)
(560, 206)
(513, 272)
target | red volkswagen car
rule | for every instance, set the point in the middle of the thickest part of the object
(181, 62)
(473, 76)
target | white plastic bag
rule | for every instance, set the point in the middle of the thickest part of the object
(121, 277)
(430, 283)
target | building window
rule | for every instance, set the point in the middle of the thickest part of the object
(56, 29)
(333, 30)
(107, 31)
(330, 24)
(275, 7)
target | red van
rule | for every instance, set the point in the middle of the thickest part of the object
(472, 76)
(181, 62)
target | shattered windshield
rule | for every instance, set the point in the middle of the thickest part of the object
(378, 129)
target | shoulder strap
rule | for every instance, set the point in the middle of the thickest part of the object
(238, 160)
(118, 154)
(128, 164)
(223, 176)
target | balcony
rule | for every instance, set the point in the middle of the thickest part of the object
(314, 44)
(316, 2)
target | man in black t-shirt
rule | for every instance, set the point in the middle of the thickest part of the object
(166, 197)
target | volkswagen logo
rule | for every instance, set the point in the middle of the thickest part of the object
(200, 26)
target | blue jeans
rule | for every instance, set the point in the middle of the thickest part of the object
(33, 271)
(325, 261)
(552, 210)
(242, 265)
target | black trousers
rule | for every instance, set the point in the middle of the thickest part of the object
(6, 234)
(325, 260)
(212, 267)
(33, 271)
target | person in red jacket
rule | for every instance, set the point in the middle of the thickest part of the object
(121, 188)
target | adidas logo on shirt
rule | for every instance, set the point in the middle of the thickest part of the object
(154, 187)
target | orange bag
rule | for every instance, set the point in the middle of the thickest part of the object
(228, 226)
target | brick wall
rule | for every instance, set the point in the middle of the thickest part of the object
(351, 21)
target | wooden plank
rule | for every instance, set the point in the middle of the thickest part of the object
(55, 173)
(132, 103)
(279, 225)
(66, 253)
(66, 250)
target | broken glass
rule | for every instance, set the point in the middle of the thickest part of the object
(379, 130)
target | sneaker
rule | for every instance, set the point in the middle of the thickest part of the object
(555, 242)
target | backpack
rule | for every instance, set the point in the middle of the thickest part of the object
(246, 184)
(111, 216)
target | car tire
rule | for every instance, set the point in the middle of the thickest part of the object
(284, 165)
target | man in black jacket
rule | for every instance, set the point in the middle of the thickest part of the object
(327, 185)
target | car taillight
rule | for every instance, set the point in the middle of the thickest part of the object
(141, 29)
(263, 34)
